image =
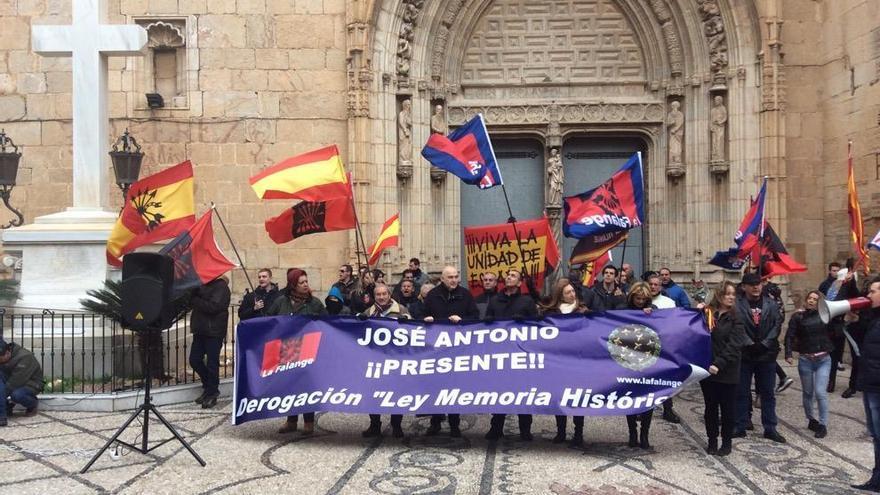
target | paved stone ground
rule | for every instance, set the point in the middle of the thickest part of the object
(45, 453)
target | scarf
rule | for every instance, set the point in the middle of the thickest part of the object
(566, 308)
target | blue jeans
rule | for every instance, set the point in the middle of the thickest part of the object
(22, 395)
(814, 379)
(872, 418)
(204, 357)
(765, 380)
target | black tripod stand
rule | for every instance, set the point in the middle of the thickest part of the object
(146, 408)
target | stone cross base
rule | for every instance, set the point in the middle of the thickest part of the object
(63, 256)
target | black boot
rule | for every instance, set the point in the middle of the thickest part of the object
(561, 422)
(712, 446)
(434, 429)
(643, 436)
(375, 429)
(577, 439)
(396, 426)
(633, 431)
(496, 428)
(726, 447)
(669, 414)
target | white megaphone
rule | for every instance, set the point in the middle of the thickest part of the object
(830, 309)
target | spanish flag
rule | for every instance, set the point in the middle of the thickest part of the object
(856, 226)
(158, 207)
(387, 237)
(314, 176)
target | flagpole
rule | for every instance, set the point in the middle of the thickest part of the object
(232, 243)
(512, 220)
(623, 254)
(358, 233)
(761, 230)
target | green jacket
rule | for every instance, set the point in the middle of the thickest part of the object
(397, 311)
(284, 306)
(22, 370)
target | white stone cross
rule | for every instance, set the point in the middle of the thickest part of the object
(89, 43)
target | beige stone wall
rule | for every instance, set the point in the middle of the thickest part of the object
(266, 80)
(832, 58)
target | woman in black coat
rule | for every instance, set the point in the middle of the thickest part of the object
(719, 389)
(810, 338)
(639, 297)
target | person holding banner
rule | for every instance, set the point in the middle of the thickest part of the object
(808, 335)
(297, 299)
(869, 377)
(449, 301)
(639, 297)
(511, 304)
(384, 307)
(608, 294)
(564, 301)
(719, 389)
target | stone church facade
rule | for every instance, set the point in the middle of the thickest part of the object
(716, 93)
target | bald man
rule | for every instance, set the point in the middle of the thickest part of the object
(449, 301)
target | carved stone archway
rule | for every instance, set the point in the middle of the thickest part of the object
(684, 51)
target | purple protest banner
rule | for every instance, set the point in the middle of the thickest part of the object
(613, 363)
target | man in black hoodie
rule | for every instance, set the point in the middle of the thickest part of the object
(509, 305)
(608, 294)
(449, 301)
(255, 303)
(208, 325)
(760, 315)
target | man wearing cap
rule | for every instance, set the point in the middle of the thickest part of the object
(760, 315)
(21, 379)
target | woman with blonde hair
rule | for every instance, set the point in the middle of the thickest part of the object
(639, 297)
(564, 300)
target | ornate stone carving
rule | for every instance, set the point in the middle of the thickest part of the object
(438, 175)
(438, 121)
(555, 179)
(411, 10)
(404, 134)
(568, 114)
(675, 127)
(716, 38)
(670, 36)
(166, 34)
(359, 92)
(718, 132)
(551, 45)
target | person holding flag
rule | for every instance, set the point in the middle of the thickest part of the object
(208, 324)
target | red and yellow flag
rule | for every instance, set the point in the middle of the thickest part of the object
(387, 237)
(856, 226)
(314, 176)
(158, 207)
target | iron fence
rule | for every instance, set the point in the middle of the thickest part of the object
(88, 353)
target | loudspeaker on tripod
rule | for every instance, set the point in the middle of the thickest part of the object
(147, 283)
(828, 310)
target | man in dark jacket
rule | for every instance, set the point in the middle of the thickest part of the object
(760, 315)
(489, 281)
(21, 379)
(255, 303)
(449, 301)
(208, 324)
(607, 294)
(346, 283)
(508, 305)
(868, 381)
(833, 268)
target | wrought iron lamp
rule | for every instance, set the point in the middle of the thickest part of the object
(9, 158)
(127, 158)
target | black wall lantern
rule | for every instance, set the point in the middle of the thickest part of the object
(9, 158)
(127, 158)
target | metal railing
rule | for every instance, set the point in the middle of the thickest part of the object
(87, 353)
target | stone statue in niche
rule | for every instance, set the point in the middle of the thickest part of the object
(555, 178)
(438, 121)
(718, 123)
(404, 133)
(675, 123)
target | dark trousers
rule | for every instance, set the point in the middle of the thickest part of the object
(376, 420)
(872, 419)
(204, 357)
(836, 358)
(307, 417)
(644, 418)
(854, 369)
(454, 420)
(719, 398)
(525, 422)
(562, 421)
(25, 396)
(764, 373)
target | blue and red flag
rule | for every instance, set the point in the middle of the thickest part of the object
(197, 258)
(751, 229)
(467, 153)
(617, 204)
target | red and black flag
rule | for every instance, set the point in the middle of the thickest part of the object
(615, 205)
(312, 217)
(197, 258)
(773, 255)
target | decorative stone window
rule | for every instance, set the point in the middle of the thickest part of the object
(165, 66)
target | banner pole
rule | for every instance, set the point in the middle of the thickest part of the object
(623, 253)
(232, 243)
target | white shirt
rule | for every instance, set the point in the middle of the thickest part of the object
(663, 302)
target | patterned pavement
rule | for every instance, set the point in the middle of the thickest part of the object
(45, 453)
